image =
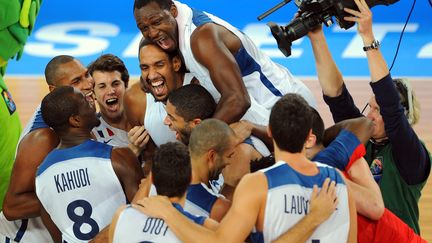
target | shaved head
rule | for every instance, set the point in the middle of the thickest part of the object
(52, 68)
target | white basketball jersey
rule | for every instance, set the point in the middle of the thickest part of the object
(133, 226)
(200, 200)
(288, 199)
(105, 133)
(153, 122)
(26, 230)
(79, 189)
(265, 80)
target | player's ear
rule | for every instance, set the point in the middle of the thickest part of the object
(51, 87)
(75, 121)
(211, 157)
(195, 122)
(173, 10)
(310, 140)
(176, 63)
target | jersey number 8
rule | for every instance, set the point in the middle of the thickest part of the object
(80, 220)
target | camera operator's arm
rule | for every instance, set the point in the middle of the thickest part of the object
(335, 93)
(377, 65)
(329, 76)
(410, 155)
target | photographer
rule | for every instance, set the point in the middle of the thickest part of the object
(399, 161)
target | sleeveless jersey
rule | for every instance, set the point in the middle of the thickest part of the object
(288, 199)
(108, 134)
(200, 199)
(133, 226)
(265, 80)
(79, 189)
(155, 114)
(26, 230)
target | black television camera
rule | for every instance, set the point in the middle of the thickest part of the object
(313, 13)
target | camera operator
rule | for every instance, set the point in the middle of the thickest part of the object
(398, 160)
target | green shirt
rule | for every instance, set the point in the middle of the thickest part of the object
(399, 197)
(10, 130)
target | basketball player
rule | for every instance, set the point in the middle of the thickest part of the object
(212, 146)
(225, 60)
(82, 182)
(171, 175)
(161, 73)
(187, 107)
(275, 199)
(20, 219)
(111, 79)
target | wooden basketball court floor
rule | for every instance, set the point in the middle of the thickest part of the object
(29, 91)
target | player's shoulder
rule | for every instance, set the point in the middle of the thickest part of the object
(135, 94)
(256, 181)
(42, 137)
(122, 152)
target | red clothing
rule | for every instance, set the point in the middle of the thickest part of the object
(389, 228)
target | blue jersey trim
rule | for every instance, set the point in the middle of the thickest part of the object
(89, 148)
(249, 141)
(200, 18)
(21, 230)
(339, 152)
(256, 237)
(197, 219)
(248, 65)
(199, 196)
(284, 175)
(38, 122)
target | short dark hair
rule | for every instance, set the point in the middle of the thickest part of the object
(163, 4)
(290, 122)
(192, 101)
(58, 106)
(209, 134)
(171, 54)
(317, 126)
(53, 66)
(262, 163)
(171, 169)
(110, 63)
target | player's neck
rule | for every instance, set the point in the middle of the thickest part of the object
(297, 161)
(311, 152)
(180, 78)
(179, 200)
(199, 173)
(75, 138)
(120, 122)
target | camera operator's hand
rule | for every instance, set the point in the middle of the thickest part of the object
(316, 34)
(363, 18)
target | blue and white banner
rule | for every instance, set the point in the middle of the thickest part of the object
(87, 29)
